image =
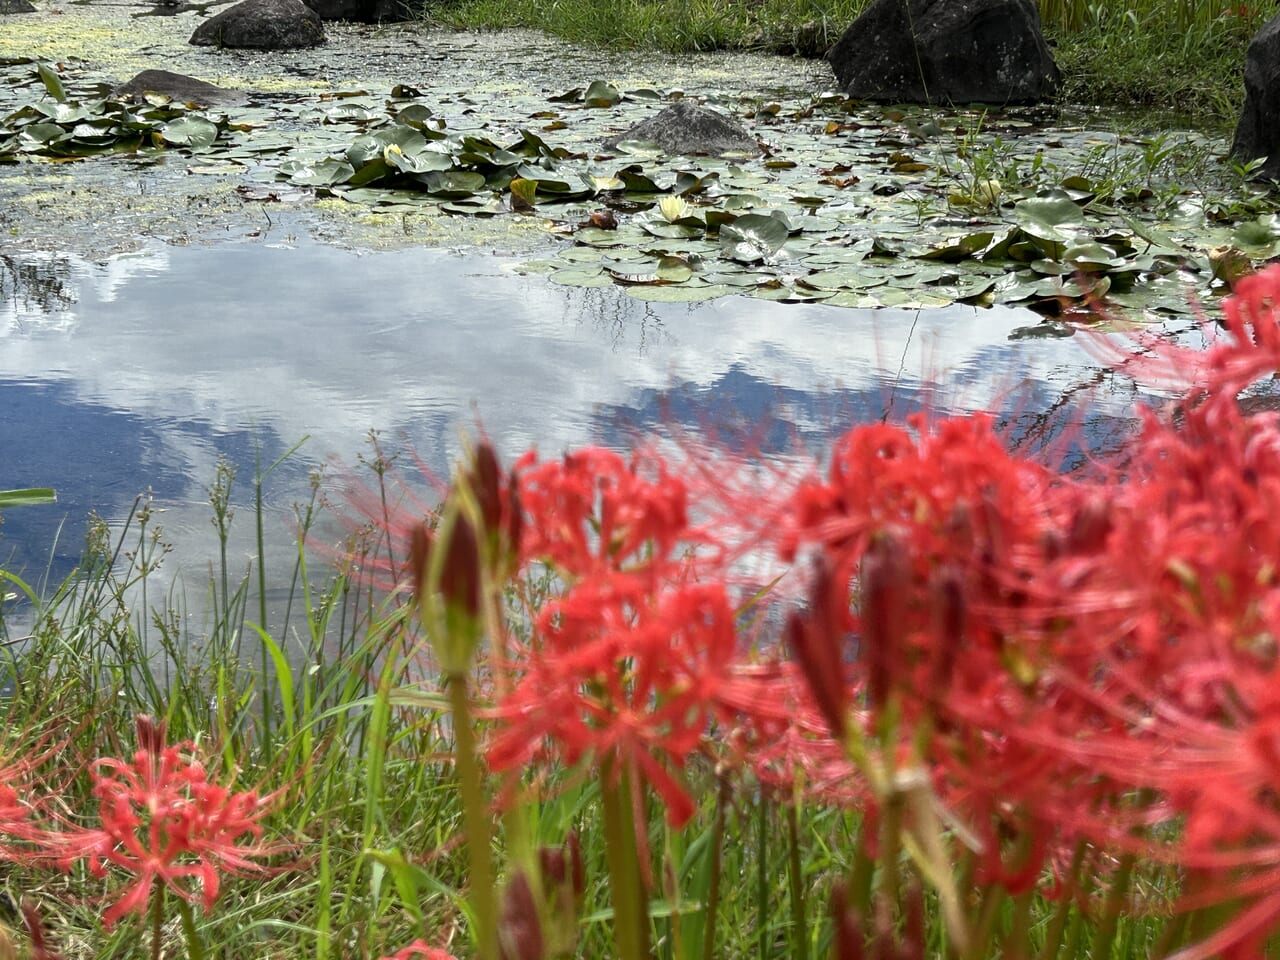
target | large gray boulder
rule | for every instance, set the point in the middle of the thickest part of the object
(16, 6)
(685, 128)
(361, 11)
(175, 86)
(946, 51)
(1258, 132)
(262, 25)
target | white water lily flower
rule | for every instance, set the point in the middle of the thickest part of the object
(673, 208)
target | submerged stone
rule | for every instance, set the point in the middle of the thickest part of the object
(361, 11)
(688, 128)
(176, 86)
(262, 25)
(946, 51)
(1257, 133)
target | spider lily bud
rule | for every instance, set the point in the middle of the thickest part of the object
(563, 889)
(447, 586)
(150, 733)
(497, 509)
(885, 587)
(520, 927)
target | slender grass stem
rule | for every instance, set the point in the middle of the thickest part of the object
(195, 946)
(157, 920)
(475, 813)
(630, 912)
(717, 863)
(795, 874)
(762, 877)
(1105, 935)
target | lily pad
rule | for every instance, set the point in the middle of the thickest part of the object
(752, 238)
(601, 94)
(691, 292)
(189, 132)
(1053, 218)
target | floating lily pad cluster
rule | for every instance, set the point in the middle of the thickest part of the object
(848, 207)
(848, 203)
(60, 126)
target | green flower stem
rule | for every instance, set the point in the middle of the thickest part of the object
(1058, 923)
(762, 874)
(861, 875)
(630, 911)
(1019, 940)
(475, 819)
(1106, 934)
(890, 848)
(195, 946)
(984, 936)
(717, 865)
(157, 920)
(517, 834)
(800, 932)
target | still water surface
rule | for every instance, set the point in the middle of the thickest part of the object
(139, 371)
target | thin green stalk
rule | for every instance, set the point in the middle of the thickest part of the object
(717, 864)
(861, 875)
(762, 876)
(630, 912)
(475, 813)
(890, 845)
(266, 690)
(1018, 943)
(799, 929)
(1106, 932)
(195, 946)
(157, 919)
(984, 936)
(1058, 922)
(324, 921)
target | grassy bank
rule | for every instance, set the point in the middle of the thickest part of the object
(1186, 55)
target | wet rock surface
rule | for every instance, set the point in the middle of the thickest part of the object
(946, 51)
(176, 86)
(262, 25)
(1257, 134)
(688, 129)
(360, 11)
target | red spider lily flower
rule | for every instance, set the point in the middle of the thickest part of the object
(595, 511)
(40, 948)
(163, 820)
(626, 664)
(420, 950)
(621, 677)
(25, 834)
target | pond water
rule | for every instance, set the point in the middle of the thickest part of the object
(137, 372)
(153, 320)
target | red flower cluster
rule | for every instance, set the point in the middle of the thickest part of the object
(1073, 659)
(626, 660)
(163, 820)
(420, 950)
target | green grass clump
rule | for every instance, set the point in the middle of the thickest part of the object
(1186, 55)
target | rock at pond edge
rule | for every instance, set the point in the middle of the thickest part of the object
(946, 51)
(1257, 133)
(262, 25)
